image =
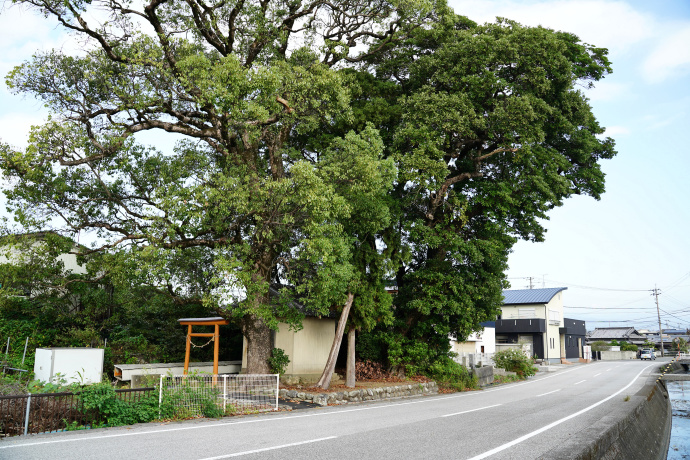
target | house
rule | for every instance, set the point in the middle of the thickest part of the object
(669, 335)
(533, 319)
(619, 334)
(31, 248)
(483, 341)
(48, 253)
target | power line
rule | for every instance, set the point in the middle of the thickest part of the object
(609, 308)
(580, 286)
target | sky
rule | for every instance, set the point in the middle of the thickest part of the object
(611, 253)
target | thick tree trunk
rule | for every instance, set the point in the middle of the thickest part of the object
(259, 345)
(350, 379)
(325, 380)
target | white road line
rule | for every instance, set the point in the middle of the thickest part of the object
(255, 451)
(471, 410)
(597, 374)
(557, 422)
(580, 382)
(288, 417)
(608, 370)
(544, 394)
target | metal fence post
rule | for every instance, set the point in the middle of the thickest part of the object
(225, 391)
(277, 388)
(160, 395)
(26, 416)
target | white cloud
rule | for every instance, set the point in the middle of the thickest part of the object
(606, 90)
(15, 127)
(615, 25)
(662, 45)
(616, 131)
(670, 57)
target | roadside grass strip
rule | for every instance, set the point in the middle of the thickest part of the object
(557, 422)
(265, 449)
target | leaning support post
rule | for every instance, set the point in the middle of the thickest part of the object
(26, 344)
(26, 415)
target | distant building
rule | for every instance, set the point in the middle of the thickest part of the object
(619, 334)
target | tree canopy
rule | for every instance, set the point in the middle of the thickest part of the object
(325, 145)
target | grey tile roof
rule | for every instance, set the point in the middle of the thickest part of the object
(615, 333)
(529, 296)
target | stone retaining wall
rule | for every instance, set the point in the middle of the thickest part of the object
(370, 394)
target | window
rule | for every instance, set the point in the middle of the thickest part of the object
(554, 317)
(526, 313)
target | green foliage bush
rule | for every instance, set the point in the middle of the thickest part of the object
(625, 346)
(599, 345)
(278, 361)
(102, 397)
(514, 360)
(451, 375)
(174, 407)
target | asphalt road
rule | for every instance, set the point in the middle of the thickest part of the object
(517, 421)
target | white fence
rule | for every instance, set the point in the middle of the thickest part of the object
(217, 395)
(683, 356)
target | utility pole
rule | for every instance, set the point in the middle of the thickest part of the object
(658, 315)
(530, 278)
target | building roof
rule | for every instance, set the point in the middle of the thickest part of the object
(615, 333)
(530, 296)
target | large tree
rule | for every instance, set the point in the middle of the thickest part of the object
(236, 81)
(490, 129)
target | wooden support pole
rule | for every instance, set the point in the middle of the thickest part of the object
(189, 345)
(216, 343)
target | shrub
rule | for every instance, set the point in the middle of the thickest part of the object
(278, 361)
(514, 360)
(102, 397)
(599, 345)
(450, 375)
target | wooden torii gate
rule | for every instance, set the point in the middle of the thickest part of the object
(189, 322)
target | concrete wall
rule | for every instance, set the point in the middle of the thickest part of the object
(308, 348)
(639, 429)
(485, 375)
(617, 355)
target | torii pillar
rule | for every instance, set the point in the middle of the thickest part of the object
(189, 322)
